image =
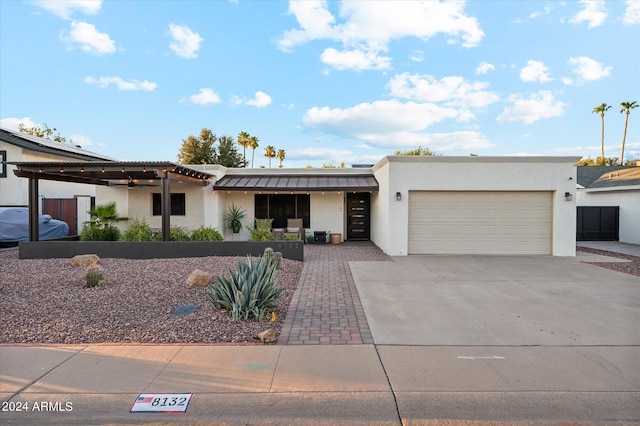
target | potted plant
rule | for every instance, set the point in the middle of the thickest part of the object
(233, 218)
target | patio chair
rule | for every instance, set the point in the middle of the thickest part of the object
(295, 228)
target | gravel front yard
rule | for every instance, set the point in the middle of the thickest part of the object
(45, 301)
(632, 267)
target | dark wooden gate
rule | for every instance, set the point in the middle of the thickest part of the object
(598, 223)
(358, 220)
(65, 209)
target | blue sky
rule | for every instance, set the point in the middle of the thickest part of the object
(326, 81)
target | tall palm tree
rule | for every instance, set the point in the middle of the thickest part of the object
(253, 144)
(243, 141)
(281, 154)
(601, 109)
(269, 152)
(626, 108)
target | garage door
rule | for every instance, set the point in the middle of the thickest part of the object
(479, 222)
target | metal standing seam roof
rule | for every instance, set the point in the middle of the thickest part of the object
(297, 183)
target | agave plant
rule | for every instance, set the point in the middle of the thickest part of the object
(250, 290)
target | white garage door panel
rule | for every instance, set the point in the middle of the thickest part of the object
(479, 222)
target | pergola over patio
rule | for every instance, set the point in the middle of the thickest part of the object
(108, 173)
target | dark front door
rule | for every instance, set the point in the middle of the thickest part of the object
(358, 216)
(597, 223)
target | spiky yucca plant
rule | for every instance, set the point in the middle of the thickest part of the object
(250, 290)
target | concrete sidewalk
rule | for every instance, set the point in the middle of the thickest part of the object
(428, 340)
(329, 384)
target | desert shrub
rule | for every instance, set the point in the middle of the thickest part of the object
(138, 231)
(206, 233)
(262, 231)
(250, 290)
(291, 238)
(310, 239)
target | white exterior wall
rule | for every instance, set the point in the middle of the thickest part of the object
(108, 194)
(404, 174)
(381, 202)
(629, 202)
(244, 201)
(14, 190)
(327, 212)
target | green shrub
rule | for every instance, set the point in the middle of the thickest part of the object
(176, 234)
(206, 233)
(250, 290)
(262, 232)
(310, 239)
(138, 231)
(291, 238)
(91, 232)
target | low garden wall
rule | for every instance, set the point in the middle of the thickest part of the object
(156, 249)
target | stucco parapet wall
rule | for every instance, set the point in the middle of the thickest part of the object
(471, 160)
(302, 171)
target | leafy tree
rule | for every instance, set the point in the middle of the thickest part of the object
(281, 154)
(626, 108)
(198, 149)
(244, 139)
(270, 152)
(417, 151)
(228, 155)
(600, 109)
(253, 144)
(333, 166)
(46, 133)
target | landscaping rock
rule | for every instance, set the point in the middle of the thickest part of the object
(267, 336)
(84, 260)
(198, 278)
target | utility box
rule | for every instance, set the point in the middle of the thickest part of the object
(320, 237)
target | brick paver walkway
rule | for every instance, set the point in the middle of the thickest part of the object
(326, 308)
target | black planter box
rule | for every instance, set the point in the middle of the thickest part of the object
(320, 237)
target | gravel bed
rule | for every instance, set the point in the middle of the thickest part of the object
(632, 267)
(45, 301)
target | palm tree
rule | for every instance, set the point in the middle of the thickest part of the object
(626, 108)
(280, 155)
(269, 152)
(243, 141)
(253, 144)
(601, 109)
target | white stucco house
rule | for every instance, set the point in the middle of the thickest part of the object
(20, 147)
(405, 205)
(608, 200)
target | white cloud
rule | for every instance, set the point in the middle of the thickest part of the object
(366, 119)
(632, 13)
(84, 141)
(451, 91)
(11, 123)
(594, 13)
(366, 28)
(65, 8)
(317, 153)
(121, 84)
(206, 96)
(185, 43)
(484, 68)
(357, 60)
(417, 56)
(535, 71)
(89, 38)
(588, 69)
(537, 106)
(260, 100)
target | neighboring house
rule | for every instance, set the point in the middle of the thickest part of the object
(405, 205)
(608, 200)
(18, 147)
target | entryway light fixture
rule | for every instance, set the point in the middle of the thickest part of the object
(567, 196)
(398, 196)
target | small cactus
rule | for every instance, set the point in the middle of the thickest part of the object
(277, 257)
(94, 276)
(268, 254)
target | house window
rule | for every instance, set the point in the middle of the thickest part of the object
(3, 166)
(178, 204)
(281, 207)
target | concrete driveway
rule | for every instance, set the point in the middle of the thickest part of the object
(497, 301)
